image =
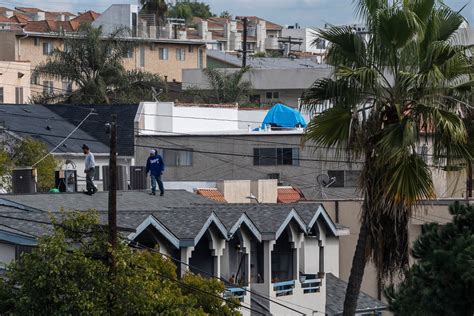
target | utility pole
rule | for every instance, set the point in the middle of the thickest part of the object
(244, 48)
(113, 192)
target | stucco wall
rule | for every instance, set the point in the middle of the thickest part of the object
(14, 75)
(7, 253)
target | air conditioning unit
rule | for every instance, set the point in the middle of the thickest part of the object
(121, 177)
(138, 178)
(66, 180)
(24, 180)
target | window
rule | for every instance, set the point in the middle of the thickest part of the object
(200, 58)
(1, 94)
(35, 79)
(19, 95)
(67, 87)
(190, 49)
(36, 40)
(129, 53)
(272, 95)
(177, 158)
(142, 56)
(344, 178)
(275, 156)
(48, 87)
(273, 176)
(47, 48)
(163, 52)
(422, 151)
(180, 54)
(97, 173)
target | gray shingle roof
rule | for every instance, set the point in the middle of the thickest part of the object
(38, 122)
(335, 293)
(95, 126)
(264, 62)
(126, 200)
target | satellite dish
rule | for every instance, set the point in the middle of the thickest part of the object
(324, 180)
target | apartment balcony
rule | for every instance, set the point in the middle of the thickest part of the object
(237, 292)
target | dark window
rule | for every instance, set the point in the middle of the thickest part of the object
(97, 173)
(275, 156)
(1, 94)
(47, 48)
(142, 56)
(269, 95)
(129, 53)
(163, 53)
(339, 178)
(200, 58)
(19, 95)
(35, 79)
(36, 41)
(273, 176)
(48, 87)
(352, 178)
(190, 49)
(67, 87)
(134, 24)
(180, 54)
(321, 257)
(176, 158)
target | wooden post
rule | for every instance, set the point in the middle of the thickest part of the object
(113, 191)
(244, 48)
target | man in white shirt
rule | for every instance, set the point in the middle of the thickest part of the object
(89, 170)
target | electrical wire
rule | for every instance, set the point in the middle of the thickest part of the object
(64, 140)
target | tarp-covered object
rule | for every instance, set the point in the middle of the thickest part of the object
(283, 116)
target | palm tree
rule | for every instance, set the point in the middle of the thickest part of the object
(94, 65)
(225, 87)
(389, 89)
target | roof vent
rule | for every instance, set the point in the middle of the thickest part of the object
(48, 127)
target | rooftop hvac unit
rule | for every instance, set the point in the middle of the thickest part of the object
(24, 180)
(66, 180)
(138, 178)
(121, 177)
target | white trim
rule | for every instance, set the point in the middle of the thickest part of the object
(212, 219)
(151, 220)
(322, 212)
(292, 215)
(245, 219)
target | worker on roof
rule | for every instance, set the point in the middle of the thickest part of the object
(155, 166)
(89, 170)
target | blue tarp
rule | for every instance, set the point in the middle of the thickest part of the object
(281, 115)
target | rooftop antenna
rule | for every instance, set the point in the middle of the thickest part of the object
(325, 182)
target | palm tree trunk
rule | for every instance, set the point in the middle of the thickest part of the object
(357, 272)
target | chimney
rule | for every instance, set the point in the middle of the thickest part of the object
(24, 180)
(203, 29)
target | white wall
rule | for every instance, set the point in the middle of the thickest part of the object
(331, 256)
(308, 35)
(251, 117)
(116, 16)
(7, 253)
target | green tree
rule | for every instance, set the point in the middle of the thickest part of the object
(188, 9)
(441, 282)
(226, 14)
(387, 90)
(94, 65)
(68, 274)
(27, 152)
(225, 87)
(159, 8)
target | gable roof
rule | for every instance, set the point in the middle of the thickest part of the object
(29, 9)
(39, 123)
(88, 16)
(335, 293)
(47, 26)
(4, 19)
(95, 127)
(19, 18)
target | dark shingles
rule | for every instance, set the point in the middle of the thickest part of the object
(38, 122)
(335, 293)
(95, 126)
(126, 200)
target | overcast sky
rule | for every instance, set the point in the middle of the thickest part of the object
(309, 13)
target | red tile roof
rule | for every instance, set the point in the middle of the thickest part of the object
(28, 9)
(19, 18)
(4, 19)
(288, 195)
(88, 16)
(212, 193)
(269, 25)
(48, 26)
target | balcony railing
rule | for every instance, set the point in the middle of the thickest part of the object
(284, 288)
(236, 292)
(311, 285)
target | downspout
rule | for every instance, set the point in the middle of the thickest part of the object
(19, 44)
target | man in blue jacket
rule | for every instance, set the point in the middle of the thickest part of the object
(155, 166)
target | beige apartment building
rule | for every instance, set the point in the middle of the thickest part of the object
(14, 82)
